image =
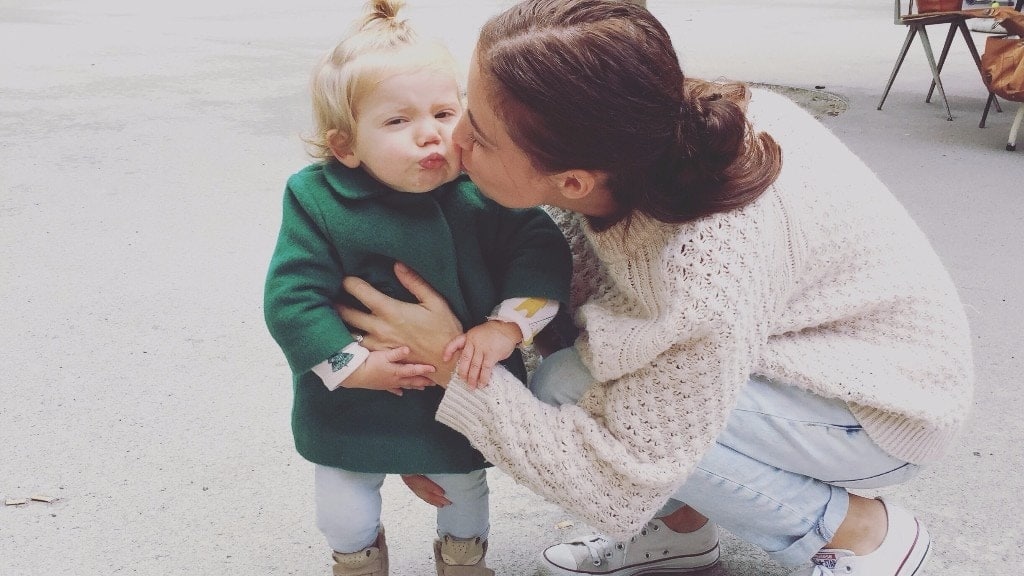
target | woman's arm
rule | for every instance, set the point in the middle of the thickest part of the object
(425, 327)
(614, 458)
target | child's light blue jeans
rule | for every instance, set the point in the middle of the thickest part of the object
(348, 506)
(778, 474)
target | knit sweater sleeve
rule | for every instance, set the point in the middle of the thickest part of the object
(617, 456)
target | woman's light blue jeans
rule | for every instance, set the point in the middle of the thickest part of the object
(348, 506)
(778, 474)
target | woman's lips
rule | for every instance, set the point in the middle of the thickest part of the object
(433, 161)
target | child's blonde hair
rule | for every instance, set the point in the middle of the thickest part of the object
(378, 44)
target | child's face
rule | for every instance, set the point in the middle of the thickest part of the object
(403, 132)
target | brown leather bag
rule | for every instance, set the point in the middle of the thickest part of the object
(1012, 20)
(1002, 66)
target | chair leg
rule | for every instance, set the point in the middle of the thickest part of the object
(935, 69)
(977, 57)
(911, 30)
(1011, 143)
(988, 106)
(950, 34)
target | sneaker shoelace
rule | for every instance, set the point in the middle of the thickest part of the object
(600, 548)
(822, 571)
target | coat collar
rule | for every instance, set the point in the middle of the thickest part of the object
(356, 184)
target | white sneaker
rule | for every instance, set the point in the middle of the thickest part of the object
(902, 552)
(655, 549)
(986, 26)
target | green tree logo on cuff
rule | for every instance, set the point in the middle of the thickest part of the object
(340, 360)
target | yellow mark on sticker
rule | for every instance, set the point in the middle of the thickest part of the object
(530, 306)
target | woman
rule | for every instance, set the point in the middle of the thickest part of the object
(756, 340)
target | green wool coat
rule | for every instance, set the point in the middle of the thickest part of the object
(341, 222)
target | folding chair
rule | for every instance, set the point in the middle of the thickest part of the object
(917, 25)
(1014, 23)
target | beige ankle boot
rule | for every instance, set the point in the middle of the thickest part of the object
(370, 561)
(457, 557)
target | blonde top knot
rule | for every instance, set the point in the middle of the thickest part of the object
(377, 43)
(383, 13)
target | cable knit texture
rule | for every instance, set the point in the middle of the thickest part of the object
(824, 282)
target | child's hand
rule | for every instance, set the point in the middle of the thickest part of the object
(482, 347)
(383, 370)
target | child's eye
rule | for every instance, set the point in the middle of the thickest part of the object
(394, 121)
(445, 114)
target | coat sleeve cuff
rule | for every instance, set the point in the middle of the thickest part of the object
(530, 314)
(340, 366)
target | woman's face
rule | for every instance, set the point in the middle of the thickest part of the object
(492, 160)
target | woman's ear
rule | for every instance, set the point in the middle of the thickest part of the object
(339, 143)
(584, 191)
(577, 184)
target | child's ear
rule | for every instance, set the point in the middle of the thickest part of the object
(338, 142)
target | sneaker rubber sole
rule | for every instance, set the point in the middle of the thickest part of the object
(660, 567)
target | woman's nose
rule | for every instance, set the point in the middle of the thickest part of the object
(460, 135)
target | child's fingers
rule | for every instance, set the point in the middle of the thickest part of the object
(454, 346)
(465, 361)
(485, 374)
(397, 354)
(415, 382)
(395, 391)
(413, 371)
(475, 369)
(467, 365)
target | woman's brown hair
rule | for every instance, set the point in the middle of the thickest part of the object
(597, 85)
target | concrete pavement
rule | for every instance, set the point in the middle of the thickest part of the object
(143, 151)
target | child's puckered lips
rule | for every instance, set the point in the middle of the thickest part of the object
(433, 161)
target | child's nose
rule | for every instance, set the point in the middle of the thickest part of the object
(429, 133)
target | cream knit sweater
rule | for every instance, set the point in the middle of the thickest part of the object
(824, 282)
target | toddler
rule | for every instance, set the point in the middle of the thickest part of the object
(387, 188)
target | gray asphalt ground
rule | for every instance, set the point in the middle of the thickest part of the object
(143, 152)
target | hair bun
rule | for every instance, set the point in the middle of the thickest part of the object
(385, 11)
(712, 122)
